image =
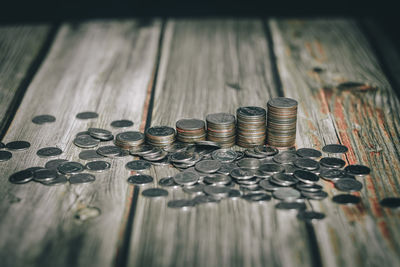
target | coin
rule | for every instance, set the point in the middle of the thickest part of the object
(221, 128)
(291, 206)
(86, 141)
(224, 155)
(122, 124)
(334, 175)
(195, 189)
(234, 194)
(271, 168)
(226, 168)
(217, 191)
(59, 180)
(18, 145)
(183, 204)
(335, 149)
(267, 185)
(5, 155)
(70, 167)
(285, 157)
(181, 157)
(109, 151)
(319, 195)
(206, 199)
(21, 177)
(82, 178)
(53, 164)
(346, 199)
(129, 140)
(190, 130)
(87, 115)
(98, 166)
(154, 193)
(357, 170)
(348, 185)
(89, 155)
(306, 176)
(242, 174)
(308, 187)
(168, 182)
(43, 175)
(266, 150)
(208, 166)
(286, 194)
(160, 136)
(217, 179)
(310, 215)
(138, 165)
(2, 145)
(42, 119)
(283, 179)
(186, 178)
(140, 179)
(255, 197)
(331, 162)
(390, 202)
(306, 164)
(49, 152)
(100, 134)
(251, 126)
(249, 163)
(308, 153)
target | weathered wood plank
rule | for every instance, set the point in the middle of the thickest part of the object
(19, 47)
(101, 66)
(213, 66)
(315, 58)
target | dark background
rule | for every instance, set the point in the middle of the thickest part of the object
(31, 11)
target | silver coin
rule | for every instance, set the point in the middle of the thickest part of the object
(168, 182)
(206, 199)
(176, 147)
(390, 202)
(18, 145)
(21, 177)
(308, 153)
(49, 152)
(331, 162)
(87, 115)
(234, 194)
(101, 134)
(319, 195)
(249, 163)
(155, 193)
(284, 179)
(310, 215)
(131, 136)
(186, 178)
(82, 178)
(5, 155)
(224, 155)
(160, 131)
(190, 124)
(98, 166)
(266, 150)
(122, 123)
(59, 180)
(109, 151)
(240, 155)
(140, 179)
(271, 168)
(42, 119)
(141, 150)
(183, 204)
(348, 185)
(44, 175)
(282, 102)
(291, 206)
(138, 165)
(226, 168)
(263, 175)
(208, 166)
(250, 181)
(33, 169)
(251, 111)
(289, 169)
(181, 157)
(217, 179)
(309, 187)
(89, 155)
(306, 176)
(70, 167)
(334, 175)
(286, 194)
(285, 157)
(217, 191)
(346, 199)
(357, 170)
(335, 149)
(53, 164)
(256, 197)
(82, 133)
(159, 157)
(195, 189)
(220, 118)
(162, 162)
(2, 145)
(306, 164)
(242, 174)
(86, 141)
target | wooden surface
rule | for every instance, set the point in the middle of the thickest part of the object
(154, 75)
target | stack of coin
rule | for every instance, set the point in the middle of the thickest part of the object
(190, 130)
(221, 128)
(281, 122)
(128, 140)
(250, 126)
(160, 136)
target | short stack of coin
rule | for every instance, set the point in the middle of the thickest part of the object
(160, 136)
(129, 140)
(221, 128)
(281, 122)
(190, 130)
(251, 128)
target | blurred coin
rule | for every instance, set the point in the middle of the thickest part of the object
(21, 177)
(234, 193)
(101, 134)
(42, 119)
(82, 178)
(217, 179)
(2, 145)
(346, 199)
(89, 155)
(122, 123)
(195, 189)
(357, 170)
(5, 155)
(138, 165)
(286, 194)
(70, 167)
(285, 157)
(283, 179)
(267, 185)
(205, 199)
(309, 187)
(208, 166)
(87, 115)
(53, 164)
(348, 185)
(186, 178)
(217, 191)
(109, 151)
(310, 215)
(59, 180)
(306, 176)
(271, 168)
(86, 141)
(331, 162)
(98, 166)
(183, 204)
(390, 202)
(334, 175)
(266, 150)
(306, 164)
(168, 182)
(224, 155)
(255, 197)
(319, 195)
(242, 174)
(140, 179)
(308, 153)
(18, 145)
(226, 168)
(335, 149)
(249, 163)
(43, 175)
(291, 206)
(154, 192)
(49, 152)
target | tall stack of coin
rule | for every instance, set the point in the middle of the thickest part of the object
(281, 123)
(128, 140)
(160, 136)
(251, 126)
(190, 130)
(221, 128)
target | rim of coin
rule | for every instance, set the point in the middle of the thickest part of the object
(70, 167)
(5, 155)
(46, 152)
(332, 162)
(348, 185)
(306, 177)
(308, 153)
(86, 141)
(357, 170)
(186, 178)
(98, 166)
(256, 196)
(41, 175)
(242, 174)
(21, 177)
(335, 149)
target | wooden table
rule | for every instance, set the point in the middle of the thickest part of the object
(157, 71)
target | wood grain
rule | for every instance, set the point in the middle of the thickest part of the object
(19, 47)
(213, 66)
(315, 60)
(98, 66)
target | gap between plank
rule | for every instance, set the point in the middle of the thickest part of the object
(26, 81)
(121, 259)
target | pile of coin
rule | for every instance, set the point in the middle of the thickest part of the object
(190, 130)
(251, 128)
(129, 140)
(160, 136)
(221, 128)
(281, 122)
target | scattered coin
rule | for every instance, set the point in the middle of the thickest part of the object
(390, 202)
(154, 192)
(331, 162)
(286, 194)
(221, 128)
(306, 164)
(190, 130)
(2, 145)
(226, 168)
(42, 119)
(186, 178)
(138, 165)
(43, 175)
(181, 204)
(140, 179)
(87, 115)
(82, 178)
(306, 176)
(346, 199)
(59, 180)
(122, 123)
(53, 164)
(234, 193)
(267, 185)
(100, 134)
(291, 206)
(98, 166)
(242, 174)
(160, 136)
(271, 168)
(283, 179)
(206, 199)
(89, 155)
(251, 126)
(168, 182)
(196, 189)
(255, 197)
(21, 177)
(130, 140)
(224, 155)
(285, 157)
(249, 163)
(310, 215)
(348, 185)
(357, 170)
(70, 167)
(49, 152)
(5, 155)
(208, 166)
(109, 151)
(308, 153)
(18, 145)
(217, 179)
(334, 175)
(308, 187)
(319, 195)
(86, 141)
(335, 149)
(217, 191)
